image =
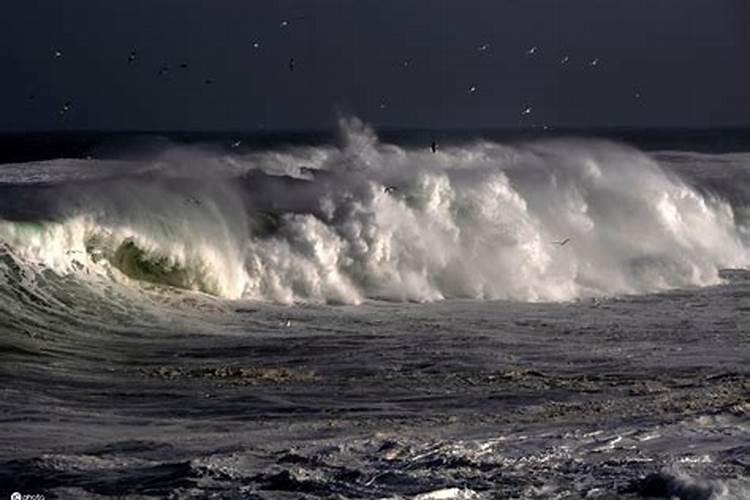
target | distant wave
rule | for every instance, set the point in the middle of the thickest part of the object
(363, 219)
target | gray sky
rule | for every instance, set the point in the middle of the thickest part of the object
(687, 60)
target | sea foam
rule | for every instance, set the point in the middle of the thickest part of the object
(362, 219)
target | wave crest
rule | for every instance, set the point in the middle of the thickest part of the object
(372, 220)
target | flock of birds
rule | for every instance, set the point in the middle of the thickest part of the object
(291, 63)
(164, 70)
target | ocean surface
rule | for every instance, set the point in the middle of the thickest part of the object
(549, 315)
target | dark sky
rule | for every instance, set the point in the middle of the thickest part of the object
(687, 60)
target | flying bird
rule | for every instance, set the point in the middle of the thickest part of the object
(562, 242)
(66, 107)
(291, 64)
(531, 51)
(131, 56)
(565, 60)
(483, 47)
(472, 90)
(527, 111)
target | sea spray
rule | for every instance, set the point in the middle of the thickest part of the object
(365, 220)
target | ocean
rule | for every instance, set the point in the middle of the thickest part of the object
(550, 314)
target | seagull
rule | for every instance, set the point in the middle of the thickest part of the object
(405, 63)
(594, 61)
(531, 51)
(183, 66)
(291, 64)
(288, 323)
(66, 107)
(208, 81)
(473, 90)
(637, 94)
(284, 24)
(526, 111)
(483, 47)
(163, 70)
(390, 189)
(562, 242)
(131, 57)
(192, 201)
(256, 45)
(382, 105)
(58, 53)
(236, 144)
(434, 146)
(565, 60)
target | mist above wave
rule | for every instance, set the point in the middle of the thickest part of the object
(364, 219)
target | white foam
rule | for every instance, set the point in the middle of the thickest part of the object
(473, 221)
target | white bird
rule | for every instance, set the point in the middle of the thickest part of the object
(473, 90)
(288, 323)
(527, 111)
(58, 53)
(284, 24)
(531, 51)
(236, 144)
(256, 45)
(565, 60)
(483, 47)
(594, 61)
(562, 242)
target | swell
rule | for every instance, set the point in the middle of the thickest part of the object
(363, 219)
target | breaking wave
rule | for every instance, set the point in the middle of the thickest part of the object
(362, 219)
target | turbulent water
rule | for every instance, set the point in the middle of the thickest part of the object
(546, 319)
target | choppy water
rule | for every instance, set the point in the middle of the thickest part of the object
(372, 321)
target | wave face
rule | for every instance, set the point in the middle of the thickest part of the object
(362, 219)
